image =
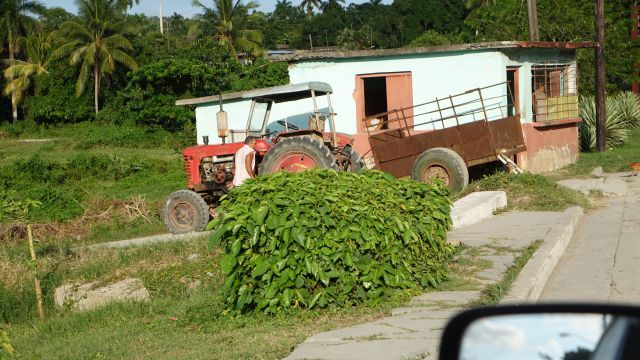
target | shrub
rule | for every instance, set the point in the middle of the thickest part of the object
(55, 100)
(621, 114)
(324, 238)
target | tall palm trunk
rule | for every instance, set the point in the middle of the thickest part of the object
(14, 102)
(96, 85)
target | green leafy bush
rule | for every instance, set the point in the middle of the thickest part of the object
(324, 238)
(55, 100)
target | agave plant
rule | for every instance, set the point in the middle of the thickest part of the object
(617, 122)
(629, 106)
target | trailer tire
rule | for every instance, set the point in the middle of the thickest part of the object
(354, 162)
(297, 154)
(444, 164)
(185, 211)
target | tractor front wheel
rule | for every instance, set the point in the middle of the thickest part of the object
(185, 211)
(444, 164)
(297, 154)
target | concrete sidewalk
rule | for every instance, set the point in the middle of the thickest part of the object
(601, 262)
(413, 332)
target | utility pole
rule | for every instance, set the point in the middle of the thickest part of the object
(161, 24)
(533, 20)
(601, 129)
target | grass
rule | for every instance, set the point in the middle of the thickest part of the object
(465, 264)
(493, 293)
(144, 330)
(94, 186)
(529, 192)
(613, 160)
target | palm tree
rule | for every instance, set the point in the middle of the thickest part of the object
(93, 44)
(375, 2)
(16, 20)
(224, 14)
(332, 4)
(308, 5)
(20, 73)
(123, 5)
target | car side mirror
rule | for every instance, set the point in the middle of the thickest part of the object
(544, 331)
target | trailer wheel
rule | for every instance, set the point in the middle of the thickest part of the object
(185, 211)
(356, 163)
(349, 160)
(444, 164)
(297, 154)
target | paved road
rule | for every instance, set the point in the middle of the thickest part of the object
(602, 262)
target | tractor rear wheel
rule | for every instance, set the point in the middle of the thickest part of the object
(444, 164)
(185, 211)
(297, 154)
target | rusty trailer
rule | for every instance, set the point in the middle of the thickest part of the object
(442, 138)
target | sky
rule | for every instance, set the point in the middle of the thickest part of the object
(182, 7)
(527, 336)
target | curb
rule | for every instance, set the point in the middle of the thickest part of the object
(476, 207)
(147, 240)
(534, 275)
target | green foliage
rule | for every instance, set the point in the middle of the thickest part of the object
(531, 192)
(433, 38)
(330, 239)
(149, 97)
(54, 100)
(567, 21)
(420, 16)
(6, 350)
(10, 208)
(284, 26)
(57, 185)
(263, 73)
(622, 112)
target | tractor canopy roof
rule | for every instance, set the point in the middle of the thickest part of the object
(276, 94)
(289, 92)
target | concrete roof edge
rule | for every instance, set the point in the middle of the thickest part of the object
(309, 55)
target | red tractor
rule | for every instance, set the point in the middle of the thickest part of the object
(210, 168)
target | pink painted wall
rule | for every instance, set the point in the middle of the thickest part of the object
(550, 146)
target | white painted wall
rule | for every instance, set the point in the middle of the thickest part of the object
(434, 76)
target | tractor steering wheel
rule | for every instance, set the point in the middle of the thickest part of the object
(290, 126)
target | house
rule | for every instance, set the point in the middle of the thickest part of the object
(541, 77)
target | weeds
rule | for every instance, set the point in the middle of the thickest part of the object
(492, 294)
(529, 192)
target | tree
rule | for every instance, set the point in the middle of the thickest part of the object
(16, 21)
(567, 21)
(225, 14)
(20, 73)
(93, 44)
(284, 26)
(123, 5)
(332, 5)
(308, 5)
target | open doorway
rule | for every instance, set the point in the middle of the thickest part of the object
(375, 98)
(512, 91)
(379, 93)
